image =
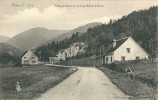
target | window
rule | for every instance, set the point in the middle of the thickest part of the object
(111, 59)
(33, 61)
(122, 58)
(32, 57)
(25, 57)
(128, 50)
(26, 62)
(137, 58)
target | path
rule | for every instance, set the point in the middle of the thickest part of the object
(85, 84)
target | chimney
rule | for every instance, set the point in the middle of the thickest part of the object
(114, 43)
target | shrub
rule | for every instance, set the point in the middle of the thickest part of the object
(8, 60)
(112, 66)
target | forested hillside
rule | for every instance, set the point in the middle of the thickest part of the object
(141, 25)
(9, 55)
(4, 38)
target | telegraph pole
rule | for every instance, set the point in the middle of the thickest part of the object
(94, 56)
(102, 53)
(70, 57)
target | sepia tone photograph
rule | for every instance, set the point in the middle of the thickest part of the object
(78, 50)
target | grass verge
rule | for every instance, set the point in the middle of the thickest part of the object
(133, 88)
(145, 72)
(34, 81)
(89, 62)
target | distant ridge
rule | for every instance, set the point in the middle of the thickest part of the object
(33, 37)
(4, 38)
(9, 49)
(80, 29)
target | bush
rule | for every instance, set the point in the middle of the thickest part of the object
(8, 60)
(112, 66)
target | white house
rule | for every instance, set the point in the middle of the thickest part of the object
(29, 58)
(123, 50)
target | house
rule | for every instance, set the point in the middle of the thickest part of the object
(53, 60)
(123, 50)
(29, 58)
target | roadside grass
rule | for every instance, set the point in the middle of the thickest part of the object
(34, 80)
(133, 88)
(144, 72)
(89, 62)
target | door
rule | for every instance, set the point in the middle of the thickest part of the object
(137, 58)
(103, 60)
(106, 60)
(122, 58)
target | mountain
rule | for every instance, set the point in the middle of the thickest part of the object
(33, 37)
(9, 55)
(141, 25)
(4, 38)
(9, 49)
(80, 29)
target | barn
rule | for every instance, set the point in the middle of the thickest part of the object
(123, 50)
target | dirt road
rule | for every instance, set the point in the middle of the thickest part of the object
(85, 84)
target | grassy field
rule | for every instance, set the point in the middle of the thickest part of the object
(34, 80)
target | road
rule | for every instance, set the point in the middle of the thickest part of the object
(85, 84)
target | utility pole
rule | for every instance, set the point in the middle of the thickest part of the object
(102, 47)
(94, 56)
(100, 52)
(70, 57)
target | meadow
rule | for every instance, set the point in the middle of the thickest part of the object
(34, 80)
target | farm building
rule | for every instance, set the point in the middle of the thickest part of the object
(53, 60)
(123, 50)
(29, 58)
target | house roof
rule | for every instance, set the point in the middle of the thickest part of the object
(23, 54)
(118, 44)
(32, 53)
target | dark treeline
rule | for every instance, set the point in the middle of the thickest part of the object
(9, 55)
(141, 25)
(8, 60)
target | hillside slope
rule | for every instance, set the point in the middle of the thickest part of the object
(80, 29)
(141, 25)
(9, 55)
(9, 49)
(33, 37)
(4, 38)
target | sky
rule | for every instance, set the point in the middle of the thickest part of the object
(19, 15)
